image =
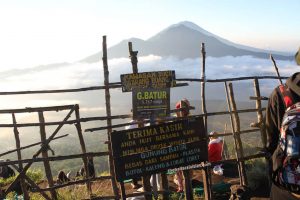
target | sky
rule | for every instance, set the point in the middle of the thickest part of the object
(40, 32)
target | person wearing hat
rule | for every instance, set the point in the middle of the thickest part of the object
(274, 115)
(184, 106)
(215, 146)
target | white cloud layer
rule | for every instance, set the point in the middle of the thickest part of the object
(83, 74)
(92, 103)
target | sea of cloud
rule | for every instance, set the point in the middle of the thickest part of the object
(79, 75)
(92, 103)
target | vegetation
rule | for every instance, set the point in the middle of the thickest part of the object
(36, 175)
(257, 173)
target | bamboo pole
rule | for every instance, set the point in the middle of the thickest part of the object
(147, 187)
(145, 179)
(133, 58)
(260, 120)
(237, 130)
(233, 132)
(28, 146)
(23, 172)
(123, 191)
(205, 172)
(108, 113)
(83, 149)
(229, 79)
(276, 69)
(45, 155)
(36, 109)
(225, 153)
(62, 90)
(17, 139)
(165, 185)
(55, 158)
(118, 85)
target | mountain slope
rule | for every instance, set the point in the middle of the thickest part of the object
(183, 40)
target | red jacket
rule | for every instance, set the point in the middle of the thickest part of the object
(215, 150)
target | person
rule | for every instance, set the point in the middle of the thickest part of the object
(90, 167)
(62, 178)
(274, 115)
(6, 171)
(215, 146)
(184, 105)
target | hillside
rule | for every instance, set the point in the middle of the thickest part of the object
(183, 40)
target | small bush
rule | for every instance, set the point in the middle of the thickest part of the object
(257, 173)
(36, 175)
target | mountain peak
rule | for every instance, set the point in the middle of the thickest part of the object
(193, 26)
(189, 25)
(183, 40)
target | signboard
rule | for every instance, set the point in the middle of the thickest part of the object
(147, 103)
(152, 149)
(155, 80)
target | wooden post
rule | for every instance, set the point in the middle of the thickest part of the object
(188, 185)
(133, 58)
(83, 149)
(45, 155)
(237, 130)
(123, 192)
(17, 138)
(134, 61)
(260, 120)
(165, 185)
(147, 186)
(205, 171)
(108, 114)
(233, 132)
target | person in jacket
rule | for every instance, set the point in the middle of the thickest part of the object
(184, 105)
(215, 146)
(274, 114)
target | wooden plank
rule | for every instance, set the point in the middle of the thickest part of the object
(83, 149)
(56, 158)
(205, 174)
(233, 130)
(229, 79)
(17, 139)
(108, 113)
(237, 137)
(165, 186)
(62, 91)
(37, 109)
(28, 146)
(55, 187)
(146, 121)
(45, 155)
(260, 114)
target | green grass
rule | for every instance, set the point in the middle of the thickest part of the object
(36, 175)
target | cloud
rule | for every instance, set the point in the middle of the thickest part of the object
(77, 75)
(92, 103)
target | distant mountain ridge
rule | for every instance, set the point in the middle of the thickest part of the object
(183, 40)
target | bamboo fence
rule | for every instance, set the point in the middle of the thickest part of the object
(22, 165)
